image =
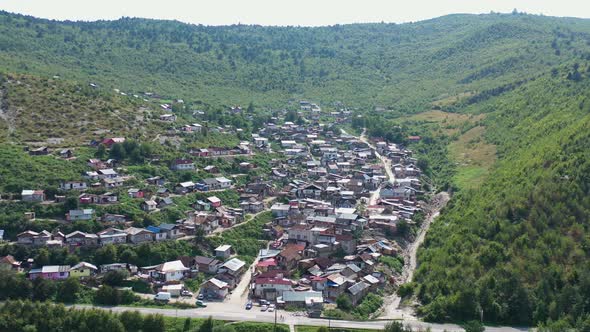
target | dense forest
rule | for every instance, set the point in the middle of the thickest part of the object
(515, 249)
(403, 67)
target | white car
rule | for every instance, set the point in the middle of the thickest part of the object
(264, 308)
(186, 293)
(271, 308)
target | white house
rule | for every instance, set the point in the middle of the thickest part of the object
(170, 271)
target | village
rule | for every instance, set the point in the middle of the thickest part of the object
(337, 203)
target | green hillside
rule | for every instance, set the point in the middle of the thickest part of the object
(400, 66)
(518, 247)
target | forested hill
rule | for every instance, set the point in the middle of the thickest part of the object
(518, 247)
(404, 67)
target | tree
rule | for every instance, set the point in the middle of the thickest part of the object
(343, 302)
(396, 327)
(117, 152)
(207, 325)
(107, 295)
(322, 329)
(128, 256)
(106, 254)
(473, 326)
(132, 320)
(43, 289)
(154, 323)
(115, 278)
(101, 151)
(68, 290)
(187, 325)
(71, 203)
(42, 257)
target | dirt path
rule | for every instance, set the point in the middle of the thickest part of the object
(391, 306)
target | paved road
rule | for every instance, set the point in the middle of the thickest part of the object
(229, 313)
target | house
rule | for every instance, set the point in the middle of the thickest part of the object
(26, 237)
(73, 185)
(183, 165)
(8, 263)
(280, 210)
(207, 184)
(84, 214)
(271, 288)
(149, 206)
(171, 230)
(78, 238)
(109, 142)
(184, 187)
(170, 271)
(309, 299)
(50, 272)
(112, 236)
(113, 218)
(158, 234)
(290, 255)
(202, 206)
(66, 153)
(156, 181)
(164, 202)
(211, 169)
(168, 117)
(207, 264)
(107, 173)
(223, 183)
(223, 251)
(42, 151)
(33, 195)
(192, 128)
(260, 142)
(173, 289)
(357, 292)
(113, 182)
(215, 289)
(309, 191)
(234, 267)
(82, 270)
(214, 201)
(135, 193)
(139, 235)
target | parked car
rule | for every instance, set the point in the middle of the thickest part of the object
(249, 305)
(201, 303)
(264, 302)
(271, 308)
(186, 293)
(162, 297)
(201, 297)
(264, 308)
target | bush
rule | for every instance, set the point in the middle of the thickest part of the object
(343, 302)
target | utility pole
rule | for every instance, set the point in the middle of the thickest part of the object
(275, 328)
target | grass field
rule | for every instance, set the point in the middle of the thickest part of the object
(473, 156)
(448, 123)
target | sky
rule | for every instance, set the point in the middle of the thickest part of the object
(286, 12)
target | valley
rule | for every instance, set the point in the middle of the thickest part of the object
(433, 173)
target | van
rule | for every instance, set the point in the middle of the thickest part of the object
(162, 297)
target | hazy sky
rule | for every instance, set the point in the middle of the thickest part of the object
(286, 12)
